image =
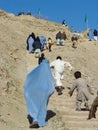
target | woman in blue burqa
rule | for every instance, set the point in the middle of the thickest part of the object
(38, 88)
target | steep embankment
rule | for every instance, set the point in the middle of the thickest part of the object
(16, 63)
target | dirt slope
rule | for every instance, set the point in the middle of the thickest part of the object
(16, 62)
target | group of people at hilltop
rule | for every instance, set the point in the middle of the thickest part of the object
(22, 13)
(38, 44)
(60, 38)
(35, 44)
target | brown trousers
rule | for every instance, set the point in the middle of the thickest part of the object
(93, 109)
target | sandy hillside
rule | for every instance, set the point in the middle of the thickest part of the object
(16, 62)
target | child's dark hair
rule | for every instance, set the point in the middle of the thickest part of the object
(77, 74)
(59, 57)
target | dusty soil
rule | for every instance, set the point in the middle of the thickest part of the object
(16, 62)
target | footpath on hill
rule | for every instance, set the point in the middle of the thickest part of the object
(16, 63)
(13, 111)
(54, 121)
(63, 107)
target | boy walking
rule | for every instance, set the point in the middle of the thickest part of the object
(83, 91)
(59, 66)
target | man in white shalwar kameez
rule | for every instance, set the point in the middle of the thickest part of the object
(58, 66)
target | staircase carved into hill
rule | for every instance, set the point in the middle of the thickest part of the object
(73, 120)
(64, 106)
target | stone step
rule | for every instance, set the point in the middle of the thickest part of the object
(72, 111)
(68, 104)
(73, 120)
(69, 111)
(82, 124)
(76, 118)
(86, 128)
(66, 99)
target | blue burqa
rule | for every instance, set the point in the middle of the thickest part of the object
(38, 87)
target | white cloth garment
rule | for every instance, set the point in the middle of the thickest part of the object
(58, 66)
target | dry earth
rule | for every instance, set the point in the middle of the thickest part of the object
(16, 62)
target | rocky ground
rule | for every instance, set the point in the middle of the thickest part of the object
(16, 63)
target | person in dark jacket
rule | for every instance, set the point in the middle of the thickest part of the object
(58, 35)
(37, 47)
(41, 58)
(74, 40)
(63, 22)
(37, 44)
(95, 35)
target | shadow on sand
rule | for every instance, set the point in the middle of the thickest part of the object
(50, 114)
